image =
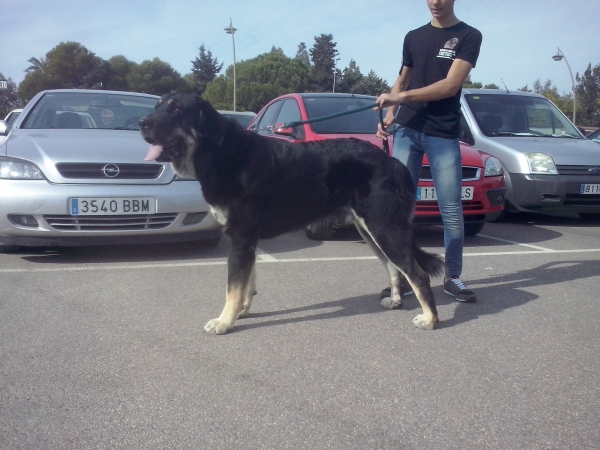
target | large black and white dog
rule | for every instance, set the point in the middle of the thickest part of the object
(260, 187)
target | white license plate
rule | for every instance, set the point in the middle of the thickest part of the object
(111, 206)
(590, 189)
(428, 193)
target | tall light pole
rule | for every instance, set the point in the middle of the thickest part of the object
(334, 72)
(230, 30)
(560, 55)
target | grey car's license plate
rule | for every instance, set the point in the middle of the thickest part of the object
(111, 206)
(589, 189)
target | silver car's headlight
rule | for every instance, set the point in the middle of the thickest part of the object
(541, 163)
(18, 169)
(493, 168)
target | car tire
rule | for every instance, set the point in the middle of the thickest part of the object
(212, 242)
(590, 217)
(473, 229)
(320, 230)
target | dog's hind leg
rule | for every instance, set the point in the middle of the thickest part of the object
(240, 284)
(395, 241)
(395, 299)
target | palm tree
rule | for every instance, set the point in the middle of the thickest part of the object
(37, 65)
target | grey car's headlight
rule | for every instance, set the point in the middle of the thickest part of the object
(541, 163)
(493, 168)
(18, 169)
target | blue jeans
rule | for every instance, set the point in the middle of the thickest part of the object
(446, 169)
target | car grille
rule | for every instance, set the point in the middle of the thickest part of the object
(110, 171)
(468, 173)
(578, 170)
(111, 223)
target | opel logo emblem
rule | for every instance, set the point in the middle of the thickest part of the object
(111, 170)
(594, 170)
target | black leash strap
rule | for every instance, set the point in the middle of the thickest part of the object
(386, 145)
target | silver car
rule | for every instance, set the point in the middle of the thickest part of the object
(243, 118)
(549, 165)
(72, 172)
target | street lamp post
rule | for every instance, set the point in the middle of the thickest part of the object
(560, 55)
(230, 30)
(334, 72)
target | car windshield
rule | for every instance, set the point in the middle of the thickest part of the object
(12, 117)
(519, 115)
(364, 122)
(89, 110)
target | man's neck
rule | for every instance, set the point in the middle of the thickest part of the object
(445, 22)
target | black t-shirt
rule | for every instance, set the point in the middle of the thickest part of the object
(430, 51)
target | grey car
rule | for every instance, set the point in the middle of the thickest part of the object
(549, 165)
(72, 172)
(243, 118)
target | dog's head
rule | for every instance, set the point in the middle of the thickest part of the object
(175, 128)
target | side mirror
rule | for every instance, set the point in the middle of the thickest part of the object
(279, 129)
(4, 128)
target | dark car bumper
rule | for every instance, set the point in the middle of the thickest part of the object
(52, 241)
(552, 193)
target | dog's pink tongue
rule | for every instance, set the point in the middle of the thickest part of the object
(153, 153)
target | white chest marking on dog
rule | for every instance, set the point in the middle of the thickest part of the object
(220, 215)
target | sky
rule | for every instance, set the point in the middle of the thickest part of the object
(519, 36)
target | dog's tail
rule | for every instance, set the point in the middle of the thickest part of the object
(431, 264)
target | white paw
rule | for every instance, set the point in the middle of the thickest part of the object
(389, 303)
(423, 322)
(215, 326)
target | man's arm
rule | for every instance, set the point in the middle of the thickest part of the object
(448, 87)
(400, 85)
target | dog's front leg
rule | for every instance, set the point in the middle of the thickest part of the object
(240, 285)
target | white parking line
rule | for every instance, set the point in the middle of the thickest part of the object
(266, 258)
(516, 243)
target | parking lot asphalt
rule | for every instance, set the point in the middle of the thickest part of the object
(102, 348)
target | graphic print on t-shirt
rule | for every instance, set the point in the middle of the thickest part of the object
(448, 50)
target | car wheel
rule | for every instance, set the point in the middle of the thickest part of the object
(9, 248)
(590, 217)
(508, 209)
(320, 230)
(473, 229)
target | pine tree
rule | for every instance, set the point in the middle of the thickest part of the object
(302, 53)
(323, 55)
(204, 69)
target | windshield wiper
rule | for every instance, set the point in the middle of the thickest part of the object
(504, 133)
(570, 136)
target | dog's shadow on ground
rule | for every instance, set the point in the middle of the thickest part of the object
(501, 293)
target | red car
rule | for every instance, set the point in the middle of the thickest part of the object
(483, 178)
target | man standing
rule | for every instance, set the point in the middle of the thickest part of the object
(436, 60)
